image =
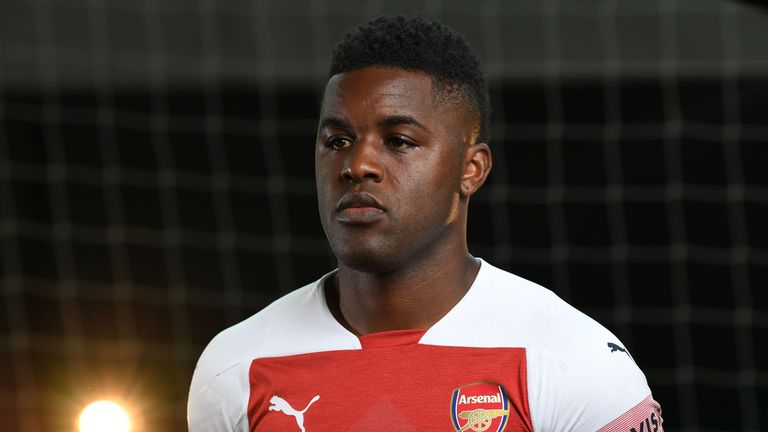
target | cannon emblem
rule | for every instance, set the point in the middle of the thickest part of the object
(480, 407)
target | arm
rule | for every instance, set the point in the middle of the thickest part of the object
(590, 388)
(645, 416)
(218, 400)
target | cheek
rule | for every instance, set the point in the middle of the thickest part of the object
(446, 187)
(434, 194)
(323, 186)
(443, 175)
(325, 167)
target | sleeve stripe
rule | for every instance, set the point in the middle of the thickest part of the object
(643, 417)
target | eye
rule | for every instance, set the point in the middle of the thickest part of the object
(400, 143)
(338, 142)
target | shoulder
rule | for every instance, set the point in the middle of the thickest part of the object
(578, 376)
(503, 309)
(250, 338)
(219, 390)
(297, 323)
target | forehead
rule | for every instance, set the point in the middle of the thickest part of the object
(378, 88)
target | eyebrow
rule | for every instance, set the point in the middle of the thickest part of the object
(402, 120)
(335, 122)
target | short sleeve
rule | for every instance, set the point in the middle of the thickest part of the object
(217, 401)
(586, 388)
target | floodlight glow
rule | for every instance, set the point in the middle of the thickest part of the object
(104, 416)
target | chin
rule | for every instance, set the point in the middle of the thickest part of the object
(367, 259)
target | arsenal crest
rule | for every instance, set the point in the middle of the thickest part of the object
(479, 407)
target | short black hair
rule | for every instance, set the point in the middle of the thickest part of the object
(418, 44)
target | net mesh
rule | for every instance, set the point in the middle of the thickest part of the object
(156, 186)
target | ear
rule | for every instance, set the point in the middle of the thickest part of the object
(477, 166)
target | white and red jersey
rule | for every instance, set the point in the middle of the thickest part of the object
(510, 356)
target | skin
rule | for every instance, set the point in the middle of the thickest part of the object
(395, 168)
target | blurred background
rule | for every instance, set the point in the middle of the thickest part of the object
(156, 186)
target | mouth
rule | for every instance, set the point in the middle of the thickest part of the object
(358, 208)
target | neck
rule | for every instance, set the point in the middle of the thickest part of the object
(411, 297)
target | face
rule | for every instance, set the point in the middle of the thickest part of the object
(390, 162)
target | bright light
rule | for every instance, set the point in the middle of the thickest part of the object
(104, 416)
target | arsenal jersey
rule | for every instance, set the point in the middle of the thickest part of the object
(510, 356)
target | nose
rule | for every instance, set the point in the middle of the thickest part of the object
(362, 163)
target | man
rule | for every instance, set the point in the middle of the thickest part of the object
(411, 332)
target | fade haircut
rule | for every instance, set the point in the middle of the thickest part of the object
(424, 45)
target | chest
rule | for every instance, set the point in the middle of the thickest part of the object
(405, 388)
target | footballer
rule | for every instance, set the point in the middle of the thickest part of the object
(412, 332)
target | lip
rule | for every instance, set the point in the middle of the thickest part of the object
(359, 208)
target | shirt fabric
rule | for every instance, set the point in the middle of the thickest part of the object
(510, 356)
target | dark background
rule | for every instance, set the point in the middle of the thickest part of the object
(156, 186)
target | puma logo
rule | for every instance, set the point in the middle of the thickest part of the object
(615, 347)
(280, 404)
